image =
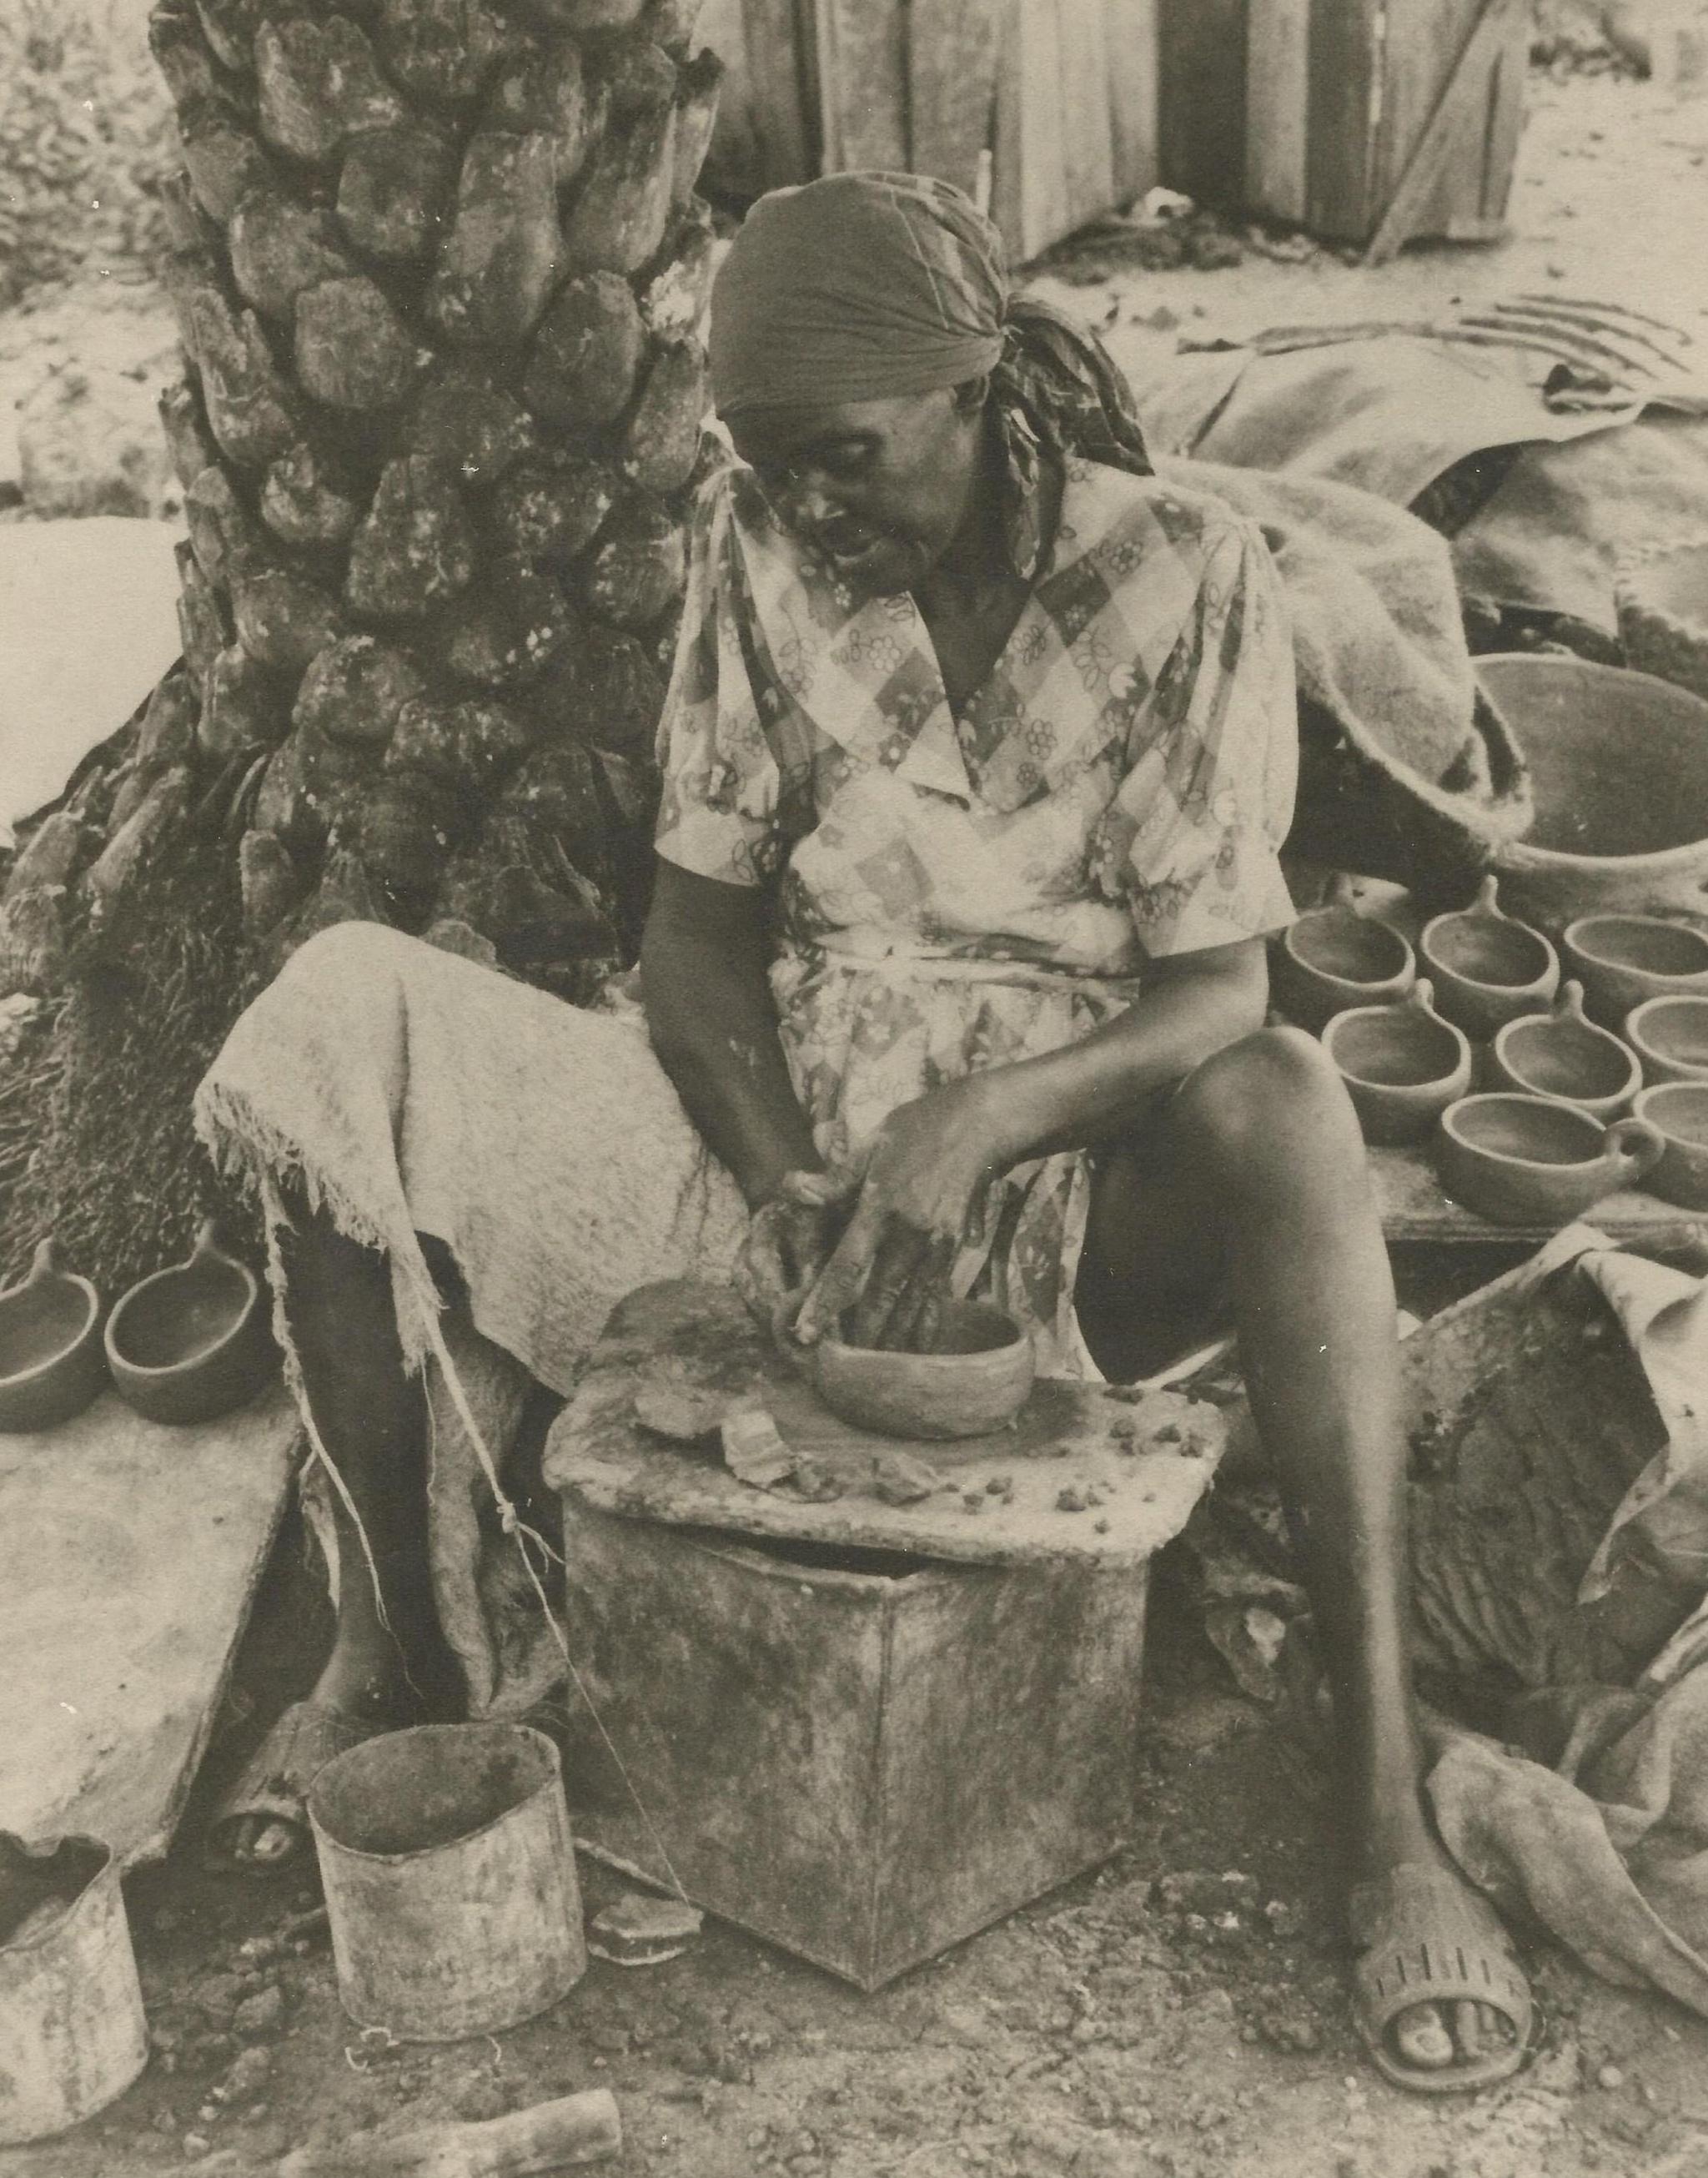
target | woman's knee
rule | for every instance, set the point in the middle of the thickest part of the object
(1276, 1094)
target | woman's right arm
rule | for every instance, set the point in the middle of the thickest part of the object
(709, 1010)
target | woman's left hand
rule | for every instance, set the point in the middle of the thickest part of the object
(917, 1183)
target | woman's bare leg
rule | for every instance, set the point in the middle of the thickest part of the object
(1253, 1174)
(387, 1656)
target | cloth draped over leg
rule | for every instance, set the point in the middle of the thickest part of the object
(408, 1091)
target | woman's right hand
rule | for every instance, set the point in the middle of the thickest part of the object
(790, 1240)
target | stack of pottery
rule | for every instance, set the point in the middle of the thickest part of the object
(1560, 1114)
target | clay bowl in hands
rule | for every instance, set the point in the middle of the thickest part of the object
(192, 1342)
(974, 1382)
(1403, 1065)
(1562, 1056)
(1670, 1035)
(1680, 1110)
(1487, 968)
(1527, 1161)
(1623, 959)
(1333, 958)
(51, 1361)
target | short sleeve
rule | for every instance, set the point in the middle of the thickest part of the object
(718, 809)
(1193, 839)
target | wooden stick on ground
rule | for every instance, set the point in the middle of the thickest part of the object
(554, 2136)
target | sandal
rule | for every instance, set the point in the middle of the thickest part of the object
(1424, 1938)
(274, 1781)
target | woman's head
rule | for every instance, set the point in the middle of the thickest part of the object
(853, 325)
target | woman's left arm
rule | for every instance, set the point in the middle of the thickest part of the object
(932, 1157)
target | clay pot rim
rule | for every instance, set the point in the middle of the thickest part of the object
(1507, 1034)
(21, 1378)
(937, 1363)
(1483, 1097)
(531, 1734)
(1431, 1022)
(1340, 910)
(1527, 932)
(163, 1372)
(1636, 1024)
(1572, 936)
(1514, 856)
(1657, 1092)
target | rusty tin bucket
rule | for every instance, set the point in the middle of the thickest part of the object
(449, 1879)
(72, 2031)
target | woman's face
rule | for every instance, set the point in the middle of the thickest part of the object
(878, 488)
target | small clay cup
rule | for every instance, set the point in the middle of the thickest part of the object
(51, 1361)
(1530, 1160)
(1488, 968)
(976, 1382)
(192, 1342)
(1403, 1065)
(1670, 1035)
(1623, 959)
(1334, 959)
(1562, 1056)
(1680, 1110)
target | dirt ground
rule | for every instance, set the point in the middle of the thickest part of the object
(1179, 2014)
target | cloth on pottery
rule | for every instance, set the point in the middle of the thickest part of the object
(1559, 1546)
(409, 1090)
(956, 895)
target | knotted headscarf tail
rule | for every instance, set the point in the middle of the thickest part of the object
(866, 286)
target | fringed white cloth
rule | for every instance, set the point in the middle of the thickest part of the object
(409, 1091)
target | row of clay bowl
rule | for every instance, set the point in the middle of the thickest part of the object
(1537, 1101)
(183, 1346)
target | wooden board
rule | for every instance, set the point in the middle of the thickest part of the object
(954, 47)
(129, 1554)
(1087, 144)
(776, 43)
(863, 84)
(1338, 178)
(1068, 1437)
(1278, 100)
(1415, 1206)
(1130, 38)
(1202, 99)
(1029, 195)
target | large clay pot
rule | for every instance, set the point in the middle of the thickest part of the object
(1562, 1055)
(1679, 1109)
(1488, 968)
(1618, 767)
(192, 1342)
(1525, 1161)
(1663, 614)
(1336, 958)
(1403, 1065)
(1621, 959)
(51, 1361)
(1669, 1036)
(976, 1382)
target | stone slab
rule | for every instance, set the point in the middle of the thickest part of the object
(1068, 1437)
(129, 1555)
(1415, 1206)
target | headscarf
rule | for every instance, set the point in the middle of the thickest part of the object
(861, 287)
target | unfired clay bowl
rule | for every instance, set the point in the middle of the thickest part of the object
(1333, 958)
(1670, 1035)
(1527, 1161)
(1680, 1110)
(192, 1342)
(1621, 959)
(1403, 1065)
(1562, 1055)
(51, 1361)
(1488, 968)
(976, 1382)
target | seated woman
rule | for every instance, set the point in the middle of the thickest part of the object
(978, 755)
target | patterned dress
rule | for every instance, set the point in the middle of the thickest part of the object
(957, 894)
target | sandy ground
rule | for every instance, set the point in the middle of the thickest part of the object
(1180, 2015)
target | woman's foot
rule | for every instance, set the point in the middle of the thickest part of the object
(1437, 1993)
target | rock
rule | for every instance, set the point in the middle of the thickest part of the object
(353, 351)
(587, 354)
(444, 49)
(355, 691)
(1610, 2077)
(89, 442)
(503, 254)
(255, 2016)
(319, 87)
(395, 190)
(414, 550)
